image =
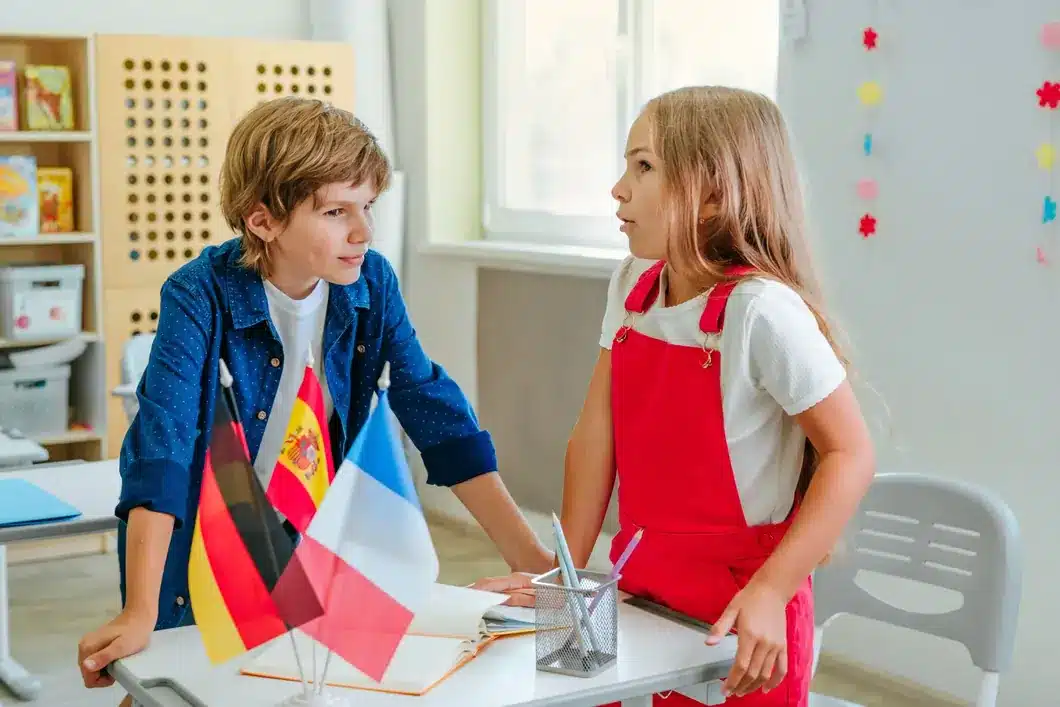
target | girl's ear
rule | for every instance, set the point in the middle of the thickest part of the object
(261, 223)
(708, 210)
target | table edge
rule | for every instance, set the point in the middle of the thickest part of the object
(591, 697)
(44, 531)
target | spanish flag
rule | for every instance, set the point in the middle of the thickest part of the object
(304, 470)
(239, 548)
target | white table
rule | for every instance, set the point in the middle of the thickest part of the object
(655, 655)
(93, 489)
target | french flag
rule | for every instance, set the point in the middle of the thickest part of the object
(366, 556)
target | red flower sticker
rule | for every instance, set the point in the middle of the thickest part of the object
(869, 37)
(867, 226)
(1049, 95)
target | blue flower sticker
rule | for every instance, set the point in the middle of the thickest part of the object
(868, 144)
(1048, 210)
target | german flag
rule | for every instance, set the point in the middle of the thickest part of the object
(304, 470)
(239, 548)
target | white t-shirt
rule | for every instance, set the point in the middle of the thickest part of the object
(775, 363)
(300, 324)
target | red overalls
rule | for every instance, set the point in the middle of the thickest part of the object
(676, 482)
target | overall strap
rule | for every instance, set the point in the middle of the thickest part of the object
(714, 312)
(645, 292)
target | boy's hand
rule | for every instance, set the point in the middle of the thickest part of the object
(516, 585)
(126, 634)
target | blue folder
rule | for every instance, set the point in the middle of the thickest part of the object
(23, 503)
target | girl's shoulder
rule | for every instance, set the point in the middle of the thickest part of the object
(627, 273)
(763, 295)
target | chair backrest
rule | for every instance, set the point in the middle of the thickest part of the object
(943, 533)
(134, 357)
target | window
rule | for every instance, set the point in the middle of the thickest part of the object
(564, 79)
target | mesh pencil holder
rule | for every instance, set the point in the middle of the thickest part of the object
(576, 628)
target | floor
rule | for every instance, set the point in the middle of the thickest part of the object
(48, 621)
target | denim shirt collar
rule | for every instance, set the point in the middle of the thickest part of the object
(249, 307)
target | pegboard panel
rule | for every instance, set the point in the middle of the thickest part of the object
(125, 314)
(264, 70)
(164, 117)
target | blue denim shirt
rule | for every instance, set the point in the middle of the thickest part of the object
(214, 308)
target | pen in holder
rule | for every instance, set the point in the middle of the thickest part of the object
(558, 621)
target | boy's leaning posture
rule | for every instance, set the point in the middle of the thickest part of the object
(297, 186)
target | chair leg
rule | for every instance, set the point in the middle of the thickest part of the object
(818, 634)
(988, 690)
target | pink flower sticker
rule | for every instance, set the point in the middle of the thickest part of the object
(867, 189)
(1051, 35)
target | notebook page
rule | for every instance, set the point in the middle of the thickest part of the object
(513, 614)
(455, 611)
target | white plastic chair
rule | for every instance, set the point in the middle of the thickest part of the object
(134, 359)
(939, 532)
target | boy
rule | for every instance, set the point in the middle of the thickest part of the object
(297, 185)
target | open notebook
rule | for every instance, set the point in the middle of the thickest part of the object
(456, 624)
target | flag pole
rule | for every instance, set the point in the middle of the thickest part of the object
(309, 363)
(233, 411)
(383, 384)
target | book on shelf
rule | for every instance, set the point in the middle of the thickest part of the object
(455, 626)
(49, 100)
(55, 190)
(8, 95)
(19, 205)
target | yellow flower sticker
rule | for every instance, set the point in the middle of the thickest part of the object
(1045, 154)
(870, 93)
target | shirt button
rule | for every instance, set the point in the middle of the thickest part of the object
(180, 601)
(360, 348)
(275, 362)
(262, 414)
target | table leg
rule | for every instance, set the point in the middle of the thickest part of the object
(642, 701)
(14, 676)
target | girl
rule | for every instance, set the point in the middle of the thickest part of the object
(719, 398)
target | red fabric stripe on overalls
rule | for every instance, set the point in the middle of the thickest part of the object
(676, 483)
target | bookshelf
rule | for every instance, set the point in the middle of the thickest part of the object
(77, 149)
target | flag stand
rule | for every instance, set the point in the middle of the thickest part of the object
(225, 379)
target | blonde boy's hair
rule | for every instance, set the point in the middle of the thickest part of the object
(282, 152)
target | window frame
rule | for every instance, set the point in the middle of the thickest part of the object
(634, 70)
(537, 227)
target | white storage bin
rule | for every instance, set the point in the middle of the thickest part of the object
(40, 301)
(35, 400)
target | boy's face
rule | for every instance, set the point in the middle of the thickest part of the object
(325, 238)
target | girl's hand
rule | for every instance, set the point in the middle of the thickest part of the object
(516, 585)
(757, 613)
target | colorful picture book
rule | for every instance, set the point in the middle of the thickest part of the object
(8, 95)
(19, 207)
(55, 190)
(49, 99)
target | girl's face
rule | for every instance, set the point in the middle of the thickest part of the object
(639, 192)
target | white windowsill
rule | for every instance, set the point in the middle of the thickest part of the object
(553, 259)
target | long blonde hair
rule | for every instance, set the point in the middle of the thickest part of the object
(730, 148)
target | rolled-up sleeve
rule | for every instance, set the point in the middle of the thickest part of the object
(430, 406)
(159, 446)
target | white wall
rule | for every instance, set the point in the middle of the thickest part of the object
(276, 19)
(948, 311)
